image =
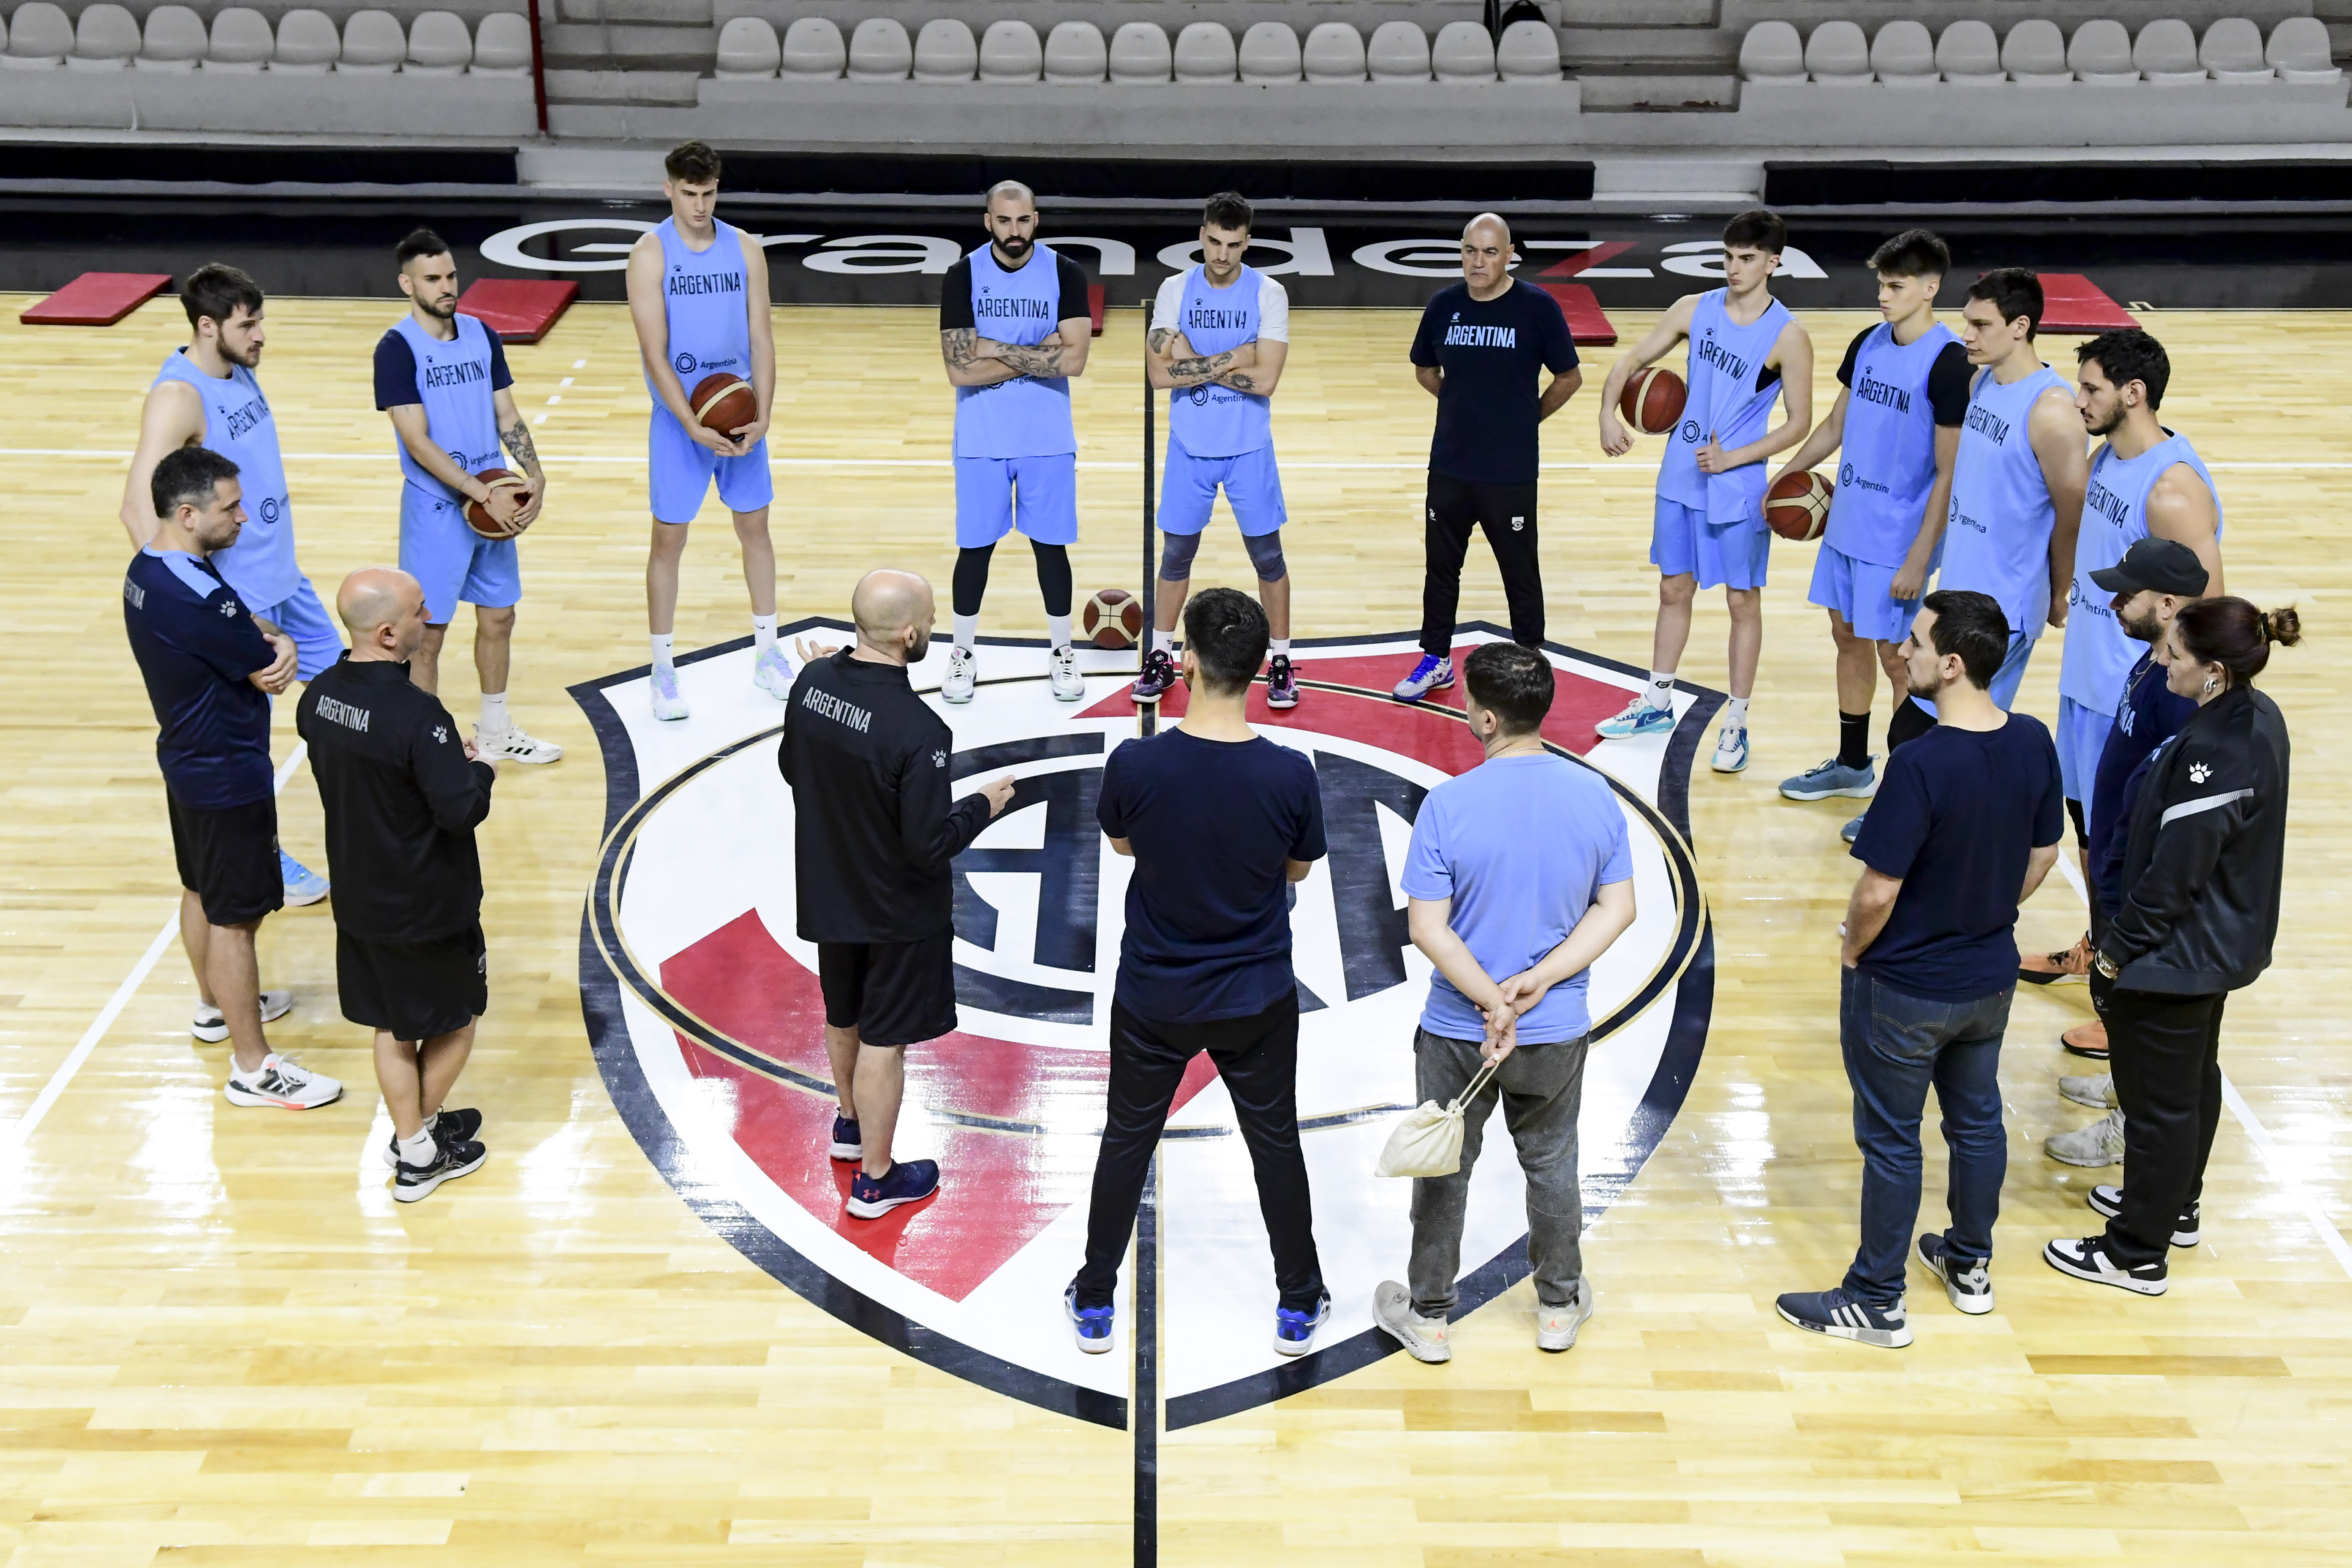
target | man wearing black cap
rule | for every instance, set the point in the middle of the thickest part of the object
(2150, 583)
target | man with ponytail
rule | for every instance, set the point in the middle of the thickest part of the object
(2203, 862)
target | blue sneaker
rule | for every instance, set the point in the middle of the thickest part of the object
(1091, 1323)
(847, 1143)
(908, 1182)
(1294, 1330)
(1842, 1316)
(1850, 831)
(303, 886)
(1833, 777)
(1636, 718)
(1431, 674)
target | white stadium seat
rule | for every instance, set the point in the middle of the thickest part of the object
(1205, 54)
(2166, 53)
(105, 39)
(439, 45)
(879, 51)
(1075, 54)
(308, 43)
(240, 41)
(1969, 54)
(1140, 55)
(945, 51)
(2299, 52)
(172, 40)
(813, 51)
(502, 44)
(1269, 55)
(1772, 52)
(1837, 55)
(1903, 55)
(1528, 51)
(39, 37)
(1463, 52)
(1011, 51)
(1399, 51)
(2232, 50)
(2101, 53)
(748, 49)
(2034, 55)
(1334, 52)
(374, 43)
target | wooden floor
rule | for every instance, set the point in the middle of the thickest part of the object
(220, 1340)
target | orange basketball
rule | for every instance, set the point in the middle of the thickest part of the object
(479, 519)
(1652, 400)
(1797, 507)
(724, 403)
(1113, 617)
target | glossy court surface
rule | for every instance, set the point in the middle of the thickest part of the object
(221, 1342)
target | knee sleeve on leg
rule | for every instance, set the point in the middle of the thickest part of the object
(1265, 555)
(1053, 576)
(1176, 553)
(972, 578)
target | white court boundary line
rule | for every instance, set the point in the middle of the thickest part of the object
(16, 1138)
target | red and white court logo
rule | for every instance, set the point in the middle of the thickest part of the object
(703, 1005)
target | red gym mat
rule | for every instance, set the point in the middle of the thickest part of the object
(2072, 303)
(520, 310)
(1586, 323)
(97, 300)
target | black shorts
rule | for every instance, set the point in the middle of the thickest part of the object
(415, 990)
(891, 993)
(228, 858)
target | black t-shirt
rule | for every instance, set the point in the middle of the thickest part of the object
(1954, 820)
(955, 292)
(1491, 351)
(1212, 824)
(1947, 379)
(395, 368)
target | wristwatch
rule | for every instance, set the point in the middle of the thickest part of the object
(2104, 966)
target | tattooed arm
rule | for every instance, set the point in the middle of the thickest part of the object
(514, 430)
(959, 351)
(1173, 362)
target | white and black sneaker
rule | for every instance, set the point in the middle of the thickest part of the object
(1968, 1281)
(962, 677)
(280, 1083)
(1842, 1315)
(2108, 1201)
(459, 1124)
(209, 1026)
(452, 1158)
(1062, 678)
(2088, 1259)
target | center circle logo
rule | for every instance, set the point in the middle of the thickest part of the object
(1845, 474)
(684, 364)
(270, 509)
(1690, 430)
(1201, 395)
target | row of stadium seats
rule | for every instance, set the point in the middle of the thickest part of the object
(2036, 54)
(40, 36)
(1137, 54)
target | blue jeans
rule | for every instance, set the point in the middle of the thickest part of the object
(1895, 1045)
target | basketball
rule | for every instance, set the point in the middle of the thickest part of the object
(1652, 400)
(479, 519)
(1113, 618)
(1797, 507)
(724, 403)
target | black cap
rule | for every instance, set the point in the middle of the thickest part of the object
(2160, 566)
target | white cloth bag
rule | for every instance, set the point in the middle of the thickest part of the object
(1427, 1140)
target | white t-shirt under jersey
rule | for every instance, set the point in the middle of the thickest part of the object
(1273, 307)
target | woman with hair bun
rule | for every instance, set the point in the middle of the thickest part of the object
(2201, 870)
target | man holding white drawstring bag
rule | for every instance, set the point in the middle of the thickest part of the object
(1519, 876)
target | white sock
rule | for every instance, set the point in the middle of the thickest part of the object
(1057, 631)
(1164, 641)
(1735, 713)
(967, 628)
(1279, 647)
(494, 713)
(763, 633)
(1660, 692)
(417, 1151)
(663, 642)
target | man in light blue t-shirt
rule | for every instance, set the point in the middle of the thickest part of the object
(1519, 876)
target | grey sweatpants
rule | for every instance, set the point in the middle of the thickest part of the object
(1541, 1089)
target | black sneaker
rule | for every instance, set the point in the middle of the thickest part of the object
(460, 1125)
(452, 1158)
(1159, 673)
(1281, 683)
(906, 1182)
(1844, 1315)
(2108, 1201)
(1968, 1281)
(2088, 1259)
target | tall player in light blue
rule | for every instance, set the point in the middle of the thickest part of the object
(1220, 333)
(699, 298)
(2017, 485)
(1747, 353)
(442, 376)
(1015, 327)
(207, 395)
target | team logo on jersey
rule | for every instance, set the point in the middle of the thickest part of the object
(1846, 473)
(1690, 430)
(440, 734)
(707, 1018)
(270, 509)
(2198, 772)
(1199, 395)
(684, 364)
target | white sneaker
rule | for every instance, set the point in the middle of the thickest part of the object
(2100, 1143)
(668, 702)
(1065, 683)
(280, 1083)
(1638, 717)
(773, 672)
(960, 676)
(514, 746)
(1556, 1326)
(1730, 750)
(1424, 1338)
(209, 1026)
(2097, 1091)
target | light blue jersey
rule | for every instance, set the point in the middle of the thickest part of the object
(1214, 421)
(2099, 654)
(1731, 394)
(703, 294)
(1996, 534)
(453, 383)
(1028, 417)
(1888, 452)
(240, 427)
